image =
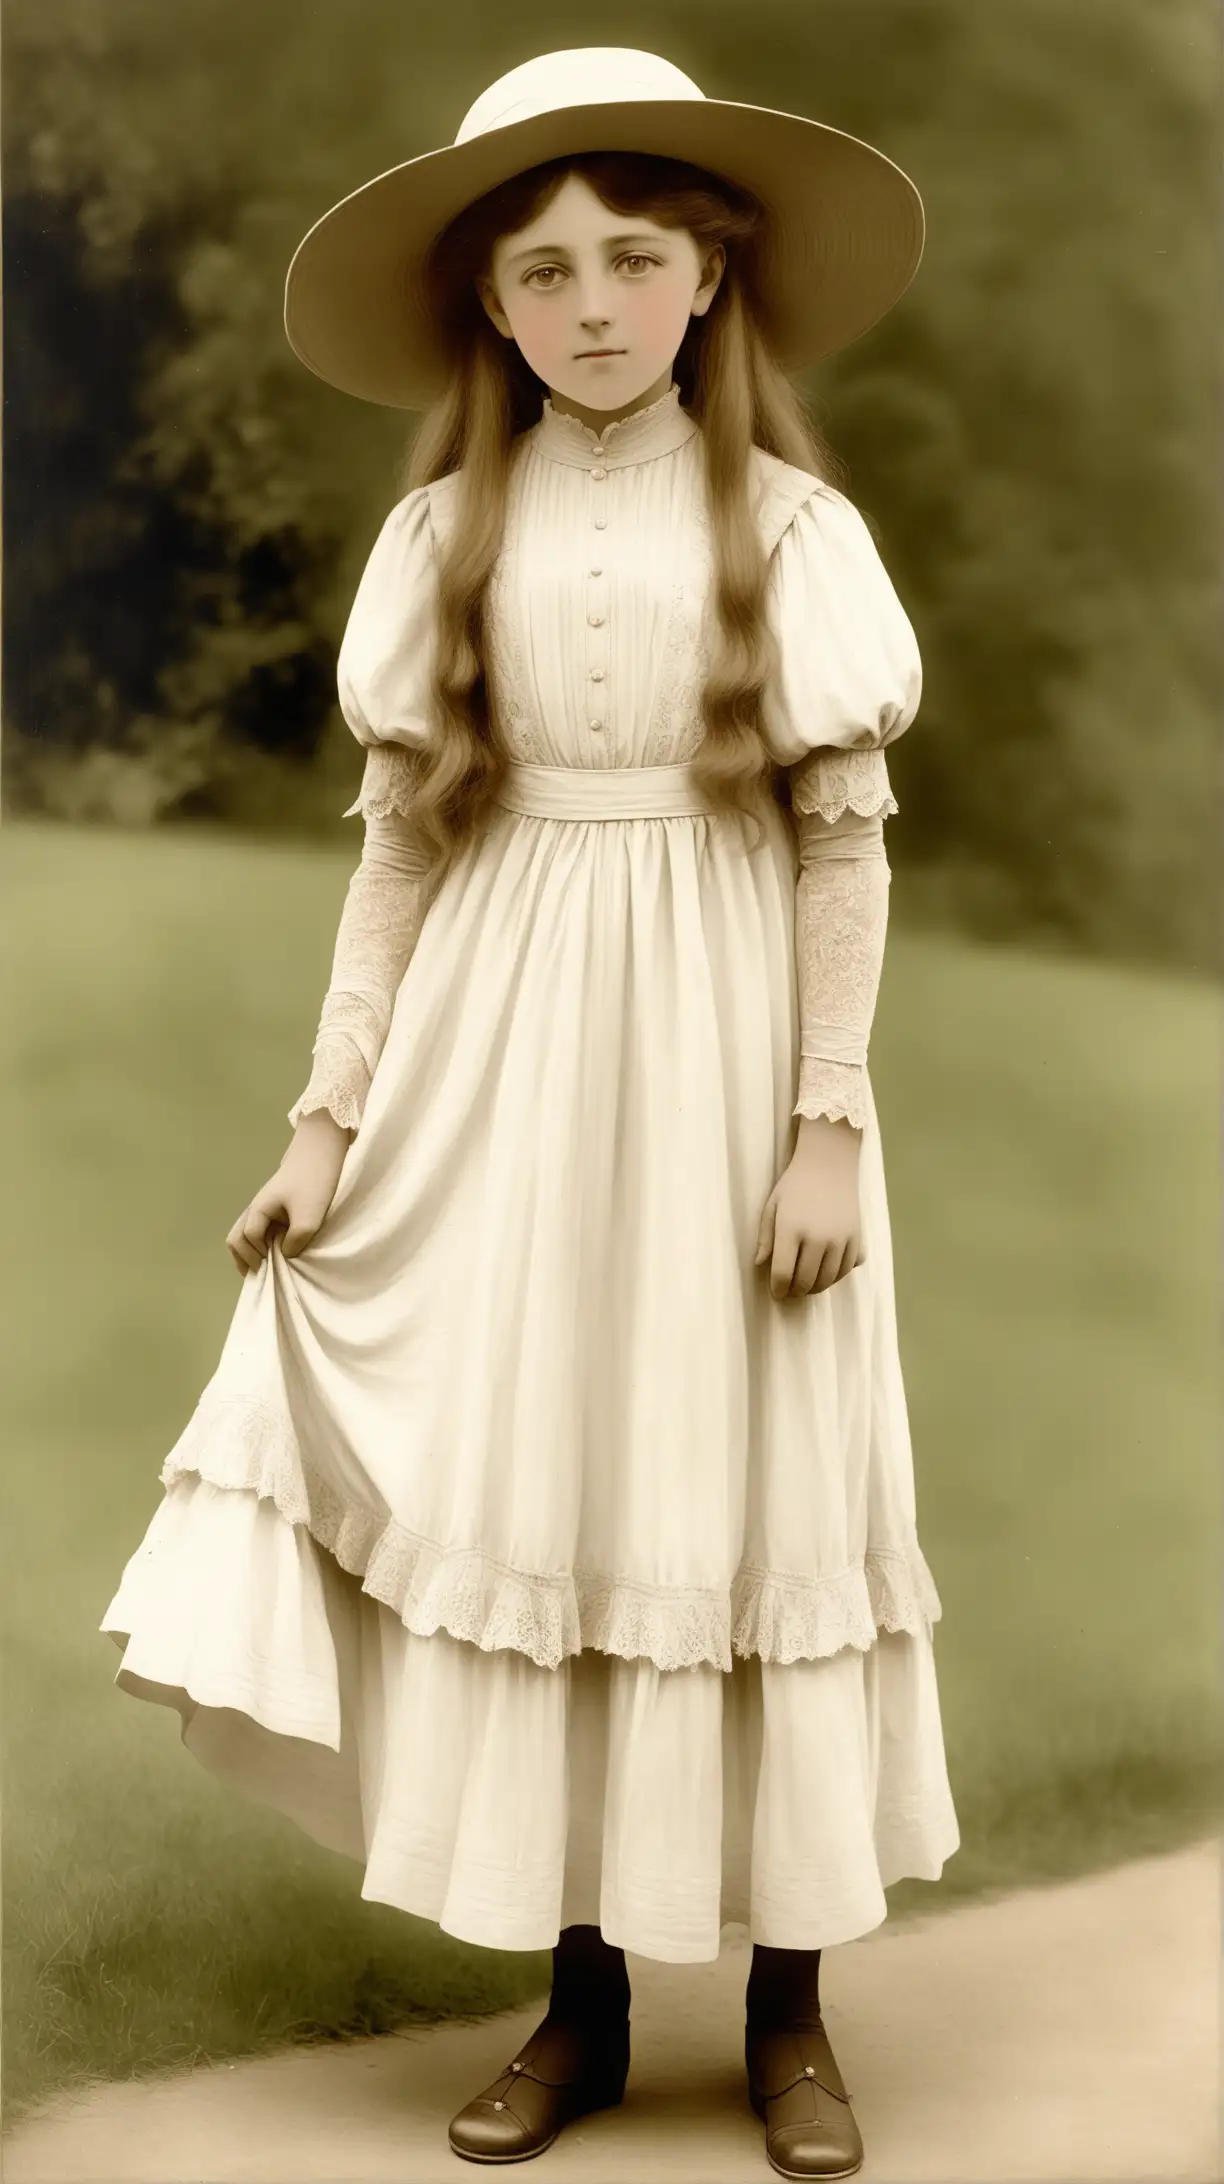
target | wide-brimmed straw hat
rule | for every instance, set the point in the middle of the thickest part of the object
(845, 236)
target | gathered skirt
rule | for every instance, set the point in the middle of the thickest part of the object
(522, 1546)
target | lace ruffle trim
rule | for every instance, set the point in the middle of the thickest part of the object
(831, 781)
(388, 782)
(394, 804)
(344, 1100)
(243, 1444)
(834, 1089)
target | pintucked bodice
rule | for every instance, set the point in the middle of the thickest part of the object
(598, 605)
(600, 609)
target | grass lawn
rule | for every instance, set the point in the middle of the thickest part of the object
(1051, 1140)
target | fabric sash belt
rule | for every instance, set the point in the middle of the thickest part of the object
(601, 792)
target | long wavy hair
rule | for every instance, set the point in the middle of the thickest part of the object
(736, 393)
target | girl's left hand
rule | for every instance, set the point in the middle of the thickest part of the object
(811, 1228)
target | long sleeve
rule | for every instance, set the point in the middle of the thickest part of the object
(849, 683)
(384, 686)
(841, 921)
(381, 921)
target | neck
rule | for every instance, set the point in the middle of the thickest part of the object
(638, 435)
(597, 420)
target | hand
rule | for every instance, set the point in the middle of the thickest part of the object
(297, 1197)
(810, 1229)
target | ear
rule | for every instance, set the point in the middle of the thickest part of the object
(488, 296)
(711, 274)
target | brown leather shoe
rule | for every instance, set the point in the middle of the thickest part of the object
(795, 2086)
(562, 2072)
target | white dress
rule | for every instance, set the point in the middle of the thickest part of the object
(523, 1547)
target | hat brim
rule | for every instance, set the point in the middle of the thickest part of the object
(846, 233)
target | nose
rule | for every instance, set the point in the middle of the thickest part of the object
(594, 308)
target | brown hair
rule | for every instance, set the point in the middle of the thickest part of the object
(733, 388)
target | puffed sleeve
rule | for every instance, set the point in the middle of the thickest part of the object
(849, 674)
(387, 653)
(384, 671)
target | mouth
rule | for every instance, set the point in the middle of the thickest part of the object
(600, 352)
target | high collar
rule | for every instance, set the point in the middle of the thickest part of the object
(657, 430)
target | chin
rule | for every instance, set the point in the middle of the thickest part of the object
(604, 383)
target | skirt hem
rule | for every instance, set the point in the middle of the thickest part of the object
(504, 1801)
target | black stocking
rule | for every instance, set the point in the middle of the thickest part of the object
(590, 1977)
(783, 1989)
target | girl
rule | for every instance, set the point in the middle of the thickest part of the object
(546, 1536)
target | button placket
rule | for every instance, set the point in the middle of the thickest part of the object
(599, 499)
(596, 646)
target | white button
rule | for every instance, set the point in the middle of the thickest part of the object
(516, 2066)
(595, 726)
(499, 2104)
(600, 474)
(596, 621)
(597, 674)
(595, 572)
(601, 523)
(808, 2070)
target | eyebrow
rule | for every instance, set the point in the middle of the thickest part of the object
(558, 250)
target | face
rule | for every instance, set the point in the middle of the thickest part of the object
(598, 301)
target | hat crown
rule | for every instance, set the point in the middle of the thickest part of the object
(581, 76)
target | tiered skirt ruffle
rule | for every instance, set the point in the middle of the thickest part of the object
(504, 1800)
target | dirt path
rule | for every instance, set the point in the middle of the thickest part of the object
(1066, 2033)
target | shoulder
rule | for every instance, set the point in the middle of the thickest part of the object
(793, 503)
(401, 562)
(420, 518)
(423, 515)
(441, 503)
(816, 534)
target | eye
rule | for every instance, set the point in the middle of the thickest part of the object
(632, 258)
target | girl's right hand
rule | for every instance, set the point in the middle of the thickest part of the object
(297, 1197)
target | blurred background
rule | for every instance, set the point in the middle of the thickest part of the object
(1034, 435)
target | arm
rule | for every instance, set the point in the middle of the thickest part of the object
(384, 681)
(383, 913)
(840, 801)
(848, 685)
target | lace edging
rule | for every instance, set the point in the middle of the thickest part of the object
(243, 1443)
(831, 781)
(339, 1083)
(832, 1109)
(388, 783)
(392, 806)
(867, 803)
(342, 1103)
(834, 1089)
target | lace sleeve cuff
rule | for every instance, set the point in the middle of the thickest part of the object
(339, 1082)
(388, 782)
(829, 782)
(841, 920)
